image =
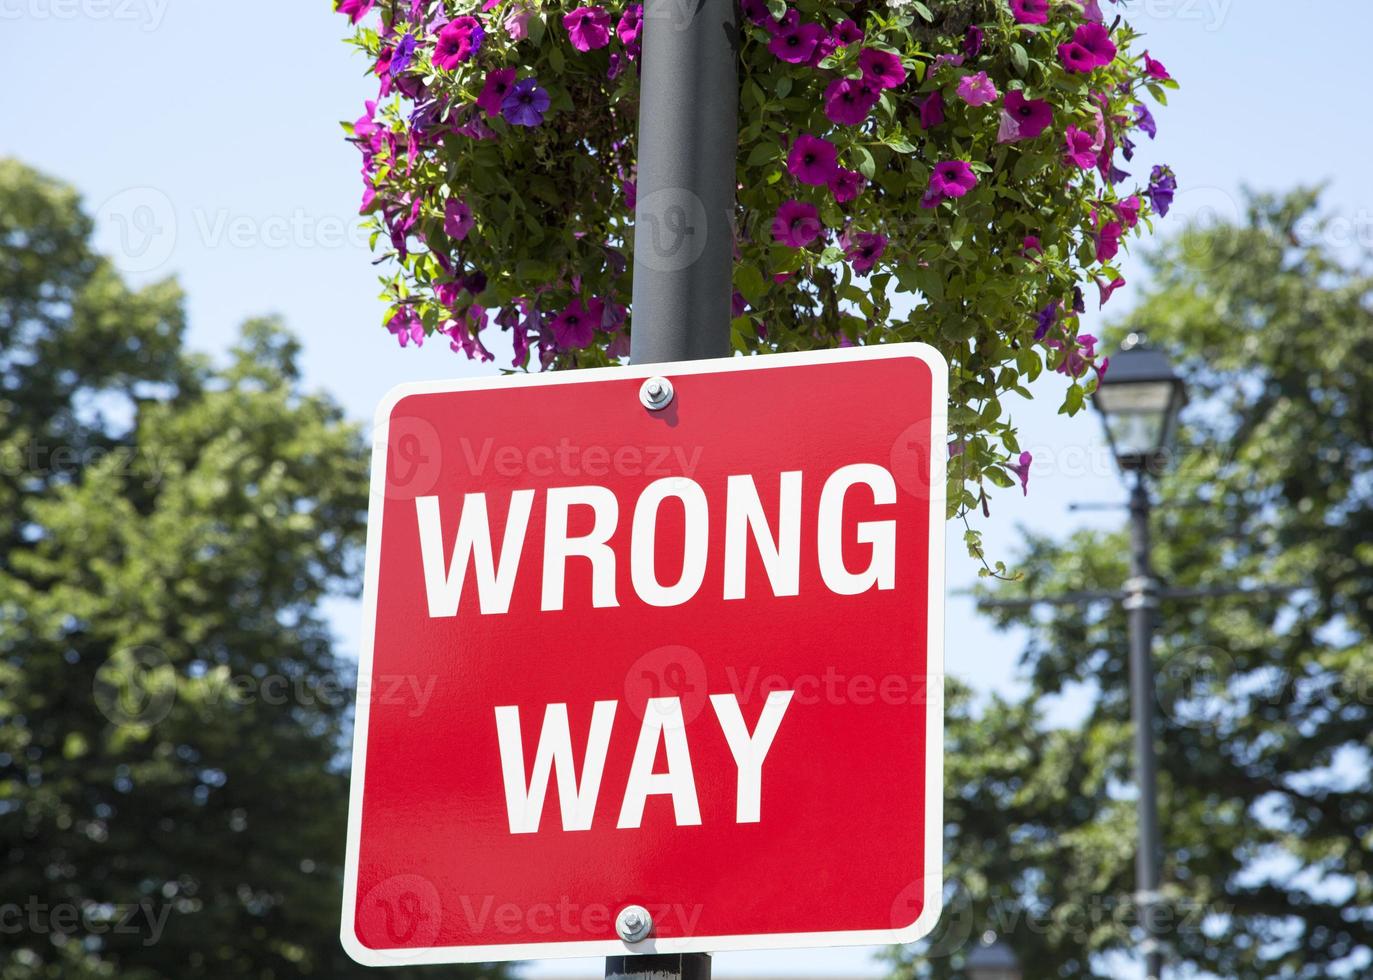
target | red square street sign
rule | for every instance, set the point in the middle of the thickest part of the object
(687, 659)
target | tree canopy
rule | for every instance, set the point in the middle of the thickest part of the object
(172, 711)
(1266, 699)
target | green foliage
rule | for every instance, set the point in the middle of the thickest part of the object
(1266, 700)
(171, 710)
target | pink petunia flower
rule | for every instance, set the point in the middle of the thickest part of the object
(932, 110)
(1096, 39)
(1107, 288)
(516, 23)
(1021, 468)
(1108, 241)
(459, 40)
(881, 69)
(846, 32)
(1022, 118)
(1154, 69)
(812, 160)
(575, 327)
(457, 219)
(797, 45)
(977, 89)
(495, 89)
(1129, 210)
(1030, 11)
(588, 28)
(797, 224)
(953, 178)
(849, 100)
(631, 26)
(846, 185)
(864, 250)
(355, 10)
(1082, 150)
(1076, 58)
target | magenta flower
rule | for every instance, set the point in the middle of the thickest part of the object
(1107, 288)
(881, 69)
(516, 23)
(1021, 468)
(1129, 210)
(952, 178)
(457, 219)
(1022, 118)
(824, 47)
(496, 88)
(588, 28)
(812, 160)
(977, 89)
(1108, 241)
(1076, 58)
(525, 104)
(846, 185)
(575, 327)
(846, 32)
(1091, 9)
(1163, 185)
(631, 25)
(932, 110)
(796, 44)
(1030, 246)
(972, 41)
(1154, 69)
(459, 40)
(797, 224)
(355, 10)
(1096, 38)
(849, 100)
(406, 325)
(865, 250)
(1030, 11)
(1082, 149)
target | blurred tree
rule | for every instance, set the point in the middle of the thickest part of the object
(1266, 726)
(172, 713)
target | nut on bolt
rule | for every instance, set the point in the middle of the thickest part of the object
(634, 924)
(656, 394)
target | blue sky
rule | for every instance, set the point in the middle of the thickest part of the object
(205, 138)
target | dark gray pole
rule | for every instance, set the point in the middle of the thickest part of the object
(688, 135)
(683, 237)
(1141, 599)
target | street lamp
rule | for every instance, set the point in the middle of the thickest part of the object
(993, 960)
(1139, 400)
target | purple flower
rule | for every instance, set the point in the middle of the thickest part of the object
(952, 178)
(459, 40)
(1077, 58)
(1154, 69)
(1108, 241)
(932, 110)
(1163, 184)
(631, 25)
(403, 55)
(1021, 468)
(457, 219)
(1107, 288)
(972, 41)
(1047, 317)
(1144, 119)
(575, 327)
(1129, 210)
(849, 100)
(797, 224)
(588, 28)
(977, 89)
(796, 44)
(525, 104)
(812, 160)
(881, 69)
(497, 87)
(405, 325)
(1030, 11)
(355, 10)
(1082, 149)
(846, 32)
(865, 249)
(846, 185)
(1022, 118)
(516, 23)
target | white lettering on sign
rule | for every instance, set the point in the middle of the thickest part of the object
(745, 519)
(662, 725)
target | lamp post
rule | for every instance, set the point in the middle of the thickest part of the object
(993, 960)
(1139, 400)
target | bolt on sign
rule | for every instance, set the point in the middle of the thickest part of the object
(652, 661)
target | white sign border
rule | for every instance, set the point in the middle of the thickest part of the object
(933, 862)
